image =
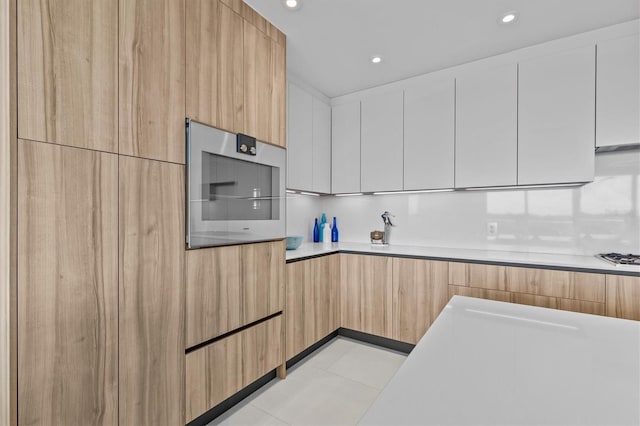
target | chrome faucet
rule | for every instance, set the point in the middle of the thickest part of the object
(386, 218)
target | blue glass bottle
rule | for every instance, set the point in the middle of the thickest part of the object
(334, 231)
(316, 232)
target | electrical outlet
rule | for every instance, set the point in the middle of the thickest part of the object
(492, 229)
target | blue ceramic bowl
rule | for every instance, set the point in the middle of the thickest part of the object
(293, 242)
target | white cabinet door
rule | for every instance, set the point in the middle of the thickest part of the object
(299, 139)
(382, 142)
(556, 118)
(428, 135)
(618, 92)
(321, 147)
(487, 127)
(345, 148)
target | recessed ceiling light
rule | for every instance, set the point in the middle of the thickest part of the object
(508, 17)
(376, 59)
(292, 4)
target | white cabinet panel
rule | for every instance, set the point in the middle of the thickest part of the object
(556, 118)
(345, 148)
(299, 139)
(487, 127)
(618, 92)
(382, 142)
(321, 146)
(429, 135)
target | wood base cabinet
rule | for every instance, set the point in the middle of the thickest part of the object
(623, 297)
(151, 296)
(312, 302)
(566, 290)
(67, 285)
(419, 294)
(230, 287)
(219, 370)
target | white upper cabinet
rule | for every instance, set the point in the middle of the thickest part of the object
(321, 147)
(428, 135)
(345, 148)
(618, 92)
(556, 118)
(382, 142)
(300, 139)
(487, 127)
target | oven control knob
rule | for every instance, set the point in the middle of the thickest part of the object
(253, 150)
(243, 147)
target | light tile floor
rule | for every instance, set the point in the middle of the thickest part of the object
(333, 386)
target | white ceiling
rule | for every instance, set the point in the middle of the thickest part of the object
(330, 42)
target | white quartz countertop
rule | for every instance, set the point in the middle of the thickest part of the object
(484, 362)
(559, 261)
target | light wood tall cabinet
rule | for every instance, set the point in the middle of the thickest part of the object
(229, 287)
(487, 127)
(366, 298)
(151, 292)
(151, 79)
(556, 117)
(312, 302)
(420, 292)
(214, 77)
(67, 285)
(623, 297)
(618, 88)
(68, 68)
(381, 148)
(345, 148)
(429, 114)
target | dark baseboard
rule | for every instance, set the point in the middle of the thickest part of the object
(227, 404)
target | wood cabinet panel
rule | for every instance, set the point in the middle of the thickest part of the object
(264, 87)
(219, 370)
(559, 303)
(623, 297)
(420, 292)
(297, 275)
(151, 295)
(67, 62)
(214, 83)
(229, 287)
(481, 293)
(152, 79)
(492, 277)
(563, 284)
(365, 293)
(67, 285)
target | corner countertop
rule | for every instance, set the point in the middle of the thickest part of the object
(495, 257)
(497, 363)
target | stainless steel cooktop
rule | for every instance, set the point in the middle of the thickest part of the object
(620, 259)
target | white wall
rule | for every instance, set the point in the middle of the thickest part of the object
(601, 216)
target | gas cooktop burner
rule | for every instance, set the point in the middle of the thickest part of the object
(620, 259)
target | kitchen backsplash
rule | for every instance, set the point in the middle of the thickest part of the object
(600, 216)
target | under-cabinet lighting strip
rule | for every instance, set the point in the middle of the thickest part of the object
(354, 194)
(412, 192)
(556, 185)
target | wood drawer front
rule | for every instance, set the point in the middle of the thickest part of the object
(530, 299)
(219, 370)
(229, 287)
(623, 297)
(540, 282)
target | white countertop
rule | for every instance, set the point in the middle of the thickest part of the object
(496, 363)
(564, 261)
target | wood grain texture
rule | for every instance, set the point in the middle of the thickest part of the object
(151, 292)
(235, 5)
(152, 79)
(229, 287)
(8, 214)
(214, 83)
(563, 284)
(492, 277)
(217, 371)
(623, 297)
(67, 284)
(366, 293)
(214, 293)
(297, 273)
(264, 87)
(481, 293)
(420, 292)
(67, 62)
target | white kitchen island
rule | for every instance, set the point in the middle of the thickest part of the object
(493, 363)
